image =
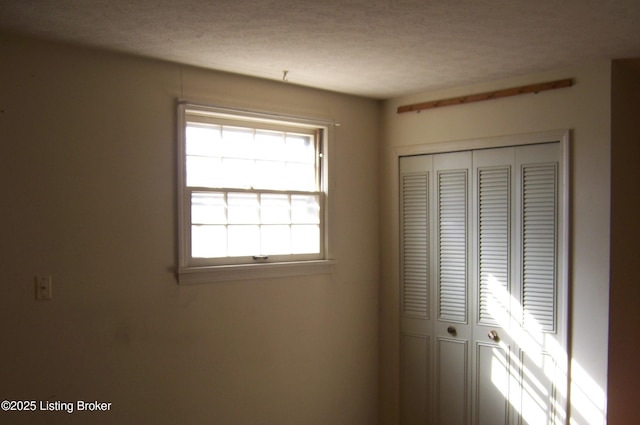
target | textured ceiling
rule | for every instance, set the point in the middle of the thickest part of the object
(374, 48)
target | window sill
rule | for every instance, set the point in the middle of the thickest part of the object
(212, 274)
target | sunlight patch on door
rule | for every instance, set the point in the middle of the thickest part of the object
(541, 371)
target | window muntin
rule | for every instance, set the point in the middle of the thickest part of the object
(252, 189)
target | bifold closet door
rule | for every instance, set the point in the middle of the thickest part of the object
(519, 341)
(451, 327)
(539, 306)
(416, 340)
(494, 247)
(481, 302)
(435, 322)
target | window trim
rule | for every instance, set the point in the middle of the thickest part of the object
(192, 271)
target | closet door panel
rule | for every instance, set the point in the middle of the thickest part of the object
(494, 283)
(415, 381)
(493, 384)
(542, 289)
(537, 389)
(452, 214)
(451, 384)
(416, 291)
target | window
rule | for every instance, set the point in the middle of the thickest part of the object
(252, 193)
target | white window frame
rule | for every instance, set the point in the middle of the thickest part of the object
(197, 270)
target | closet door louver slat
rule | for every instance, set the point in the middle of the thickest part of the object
(452, 245)
(493, 244)
(539, 212)
(415, 246)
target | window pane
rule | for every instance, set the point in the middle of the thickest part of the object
(276, 239)
(208, 208)
(305, 239)
(305, 209)
(270, 145)
(244, 240)
(203, 140)
(301, 176)
(208, 241)
(275, 209)
(238, 142)
(237, 173)
(204, 172)
(270, 175)
(243, 208)
(300, 148)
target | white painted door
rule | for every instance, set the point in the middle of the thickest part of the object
(482, 315)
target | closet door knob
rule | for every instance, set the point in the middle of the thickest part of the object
(493, 336)
(452, 330)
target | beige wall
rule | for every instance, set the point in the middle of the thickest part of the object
(88, 165)
(624, 325)
(585, 110)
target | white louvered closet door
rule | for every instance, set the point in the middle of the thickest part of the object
(482, 323)
(452, 333)
(494, 242)
(416, 340)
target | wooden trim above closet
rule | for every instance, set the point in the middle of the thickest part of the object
(514, 91)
